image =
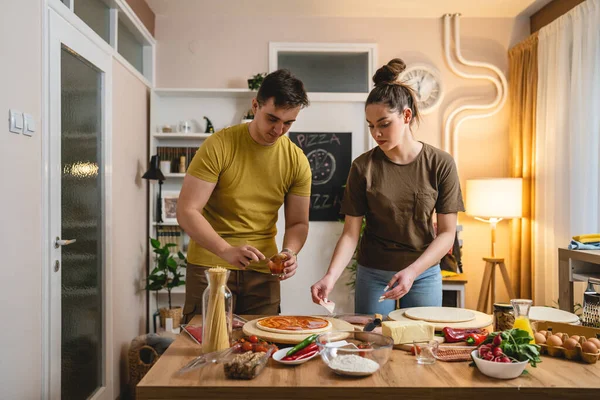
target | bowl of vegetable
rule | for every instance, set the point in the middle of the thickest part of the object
(359, 354)
(505, 355)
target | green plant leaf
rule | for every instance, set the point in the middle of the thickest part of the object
(155, 243)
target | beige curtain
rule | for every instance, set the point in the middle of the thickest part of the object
(522, 95)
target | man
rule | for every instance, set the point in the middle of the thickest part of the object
(230, 198)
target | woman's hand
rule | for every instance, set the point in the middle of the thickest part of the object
(403, 280)
(321, 289)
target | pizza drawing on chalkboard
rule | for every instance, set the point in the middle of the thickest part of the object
(322, 165)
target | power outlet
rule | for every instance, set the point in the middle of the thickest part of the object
(15, 121)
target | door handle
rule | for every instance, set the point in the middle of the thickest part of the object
(60, 242)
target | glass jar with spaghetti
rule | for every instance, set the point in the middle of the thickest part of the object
(217, 311)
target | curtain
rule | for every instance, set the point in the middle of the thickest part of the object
(522, 97)
(567, 183)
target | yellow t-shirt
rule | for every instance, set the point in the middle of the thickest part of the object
(252, 182)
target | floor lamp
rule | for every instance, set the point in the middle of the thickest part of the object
(492, 200)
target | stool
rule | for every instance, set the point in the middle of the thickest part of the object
(488, 285)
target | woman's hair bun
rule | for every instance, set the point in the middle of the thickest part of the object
(389, 73)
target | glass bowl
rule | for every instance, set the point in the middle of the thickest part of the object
(354, 353)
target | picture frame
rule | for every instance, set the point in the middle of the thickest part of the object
(169, 206)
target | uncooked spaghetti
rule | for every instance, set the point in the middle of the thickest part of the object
(216, 336)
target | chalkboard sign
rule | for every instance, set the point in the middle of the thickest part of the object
(330, 157)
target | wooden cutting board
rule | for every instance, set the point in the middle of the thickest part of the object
(481, 320)
(250, 328)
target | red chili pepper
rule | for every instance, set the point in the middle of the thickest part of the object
(474, 339)
(306, 355)
(307, 349)
(459, 335)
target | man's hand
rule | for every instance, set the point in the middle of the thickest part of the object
(242, 256)
(289, 266)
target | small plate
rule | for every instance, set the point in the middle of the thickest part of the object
(279, 354)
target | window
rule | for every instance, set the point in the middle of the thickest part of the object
(96, 14)
(130, 47)
(327, 67)
(117, 25)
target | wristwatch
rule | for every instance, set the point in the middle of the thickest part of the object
(289, 251)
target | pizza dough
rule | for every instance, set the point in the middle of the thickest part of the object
(293, 324)
(440, 314)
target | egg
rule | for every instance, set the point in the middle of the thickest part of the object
(539, 338)
(570, 344)
(576, 337)
(595, 341)
(589, 347)
(554, 340)
(543, 332)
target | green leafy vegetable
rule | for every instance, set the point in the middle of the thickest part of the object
(516, 344)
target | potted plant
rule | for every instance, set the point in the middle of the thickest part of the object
(256, 80)
(167, 274)
(248, 117)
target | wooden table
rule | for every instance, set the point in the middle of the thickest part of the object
(401, 378)
(575, 265)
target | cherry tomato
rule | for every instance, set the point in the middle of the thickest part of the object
(253, 339)
(260, 348)
(246, 346)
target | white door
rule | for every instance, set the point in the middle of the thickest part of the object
(79, 154)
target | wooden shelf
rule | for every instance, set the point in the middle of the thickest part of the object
(191, 92)
(165, 224)
(176, 135)
(240, 92)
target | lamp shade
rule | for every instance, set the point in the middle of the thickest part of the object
(154, 173)
(495, 197)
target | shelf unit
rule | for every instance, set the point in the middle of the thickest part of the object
(224, 107)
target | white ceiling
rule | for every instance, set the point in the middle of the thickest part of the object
(348, 8)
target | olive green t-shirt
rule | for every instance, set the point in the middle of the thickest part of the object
(398, 202)
(252, 183)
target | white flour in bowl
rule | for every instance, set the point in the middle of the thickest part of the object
(353, 365)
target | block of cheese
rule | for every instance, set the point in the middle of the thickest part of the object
(406, 332)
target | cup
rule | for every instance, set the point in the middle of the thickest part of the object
(275, 264)
(165, 167)
(426, 351)
(185, 126)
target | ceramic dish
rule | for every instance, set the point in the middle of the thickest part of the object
(279, 354)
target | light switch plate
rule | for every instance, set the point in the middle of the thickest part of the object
(15, 121)
(29, 125)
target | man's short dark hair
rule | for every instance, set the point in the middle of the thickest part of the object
(286, 90)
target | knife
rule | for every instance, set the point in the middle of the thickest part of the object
(373, 324)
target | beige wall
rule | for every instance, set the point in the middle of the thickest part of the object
(21, 191)
(130, 133)
(194, 51)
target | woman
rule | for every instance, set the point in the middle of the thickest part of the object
(396, 187)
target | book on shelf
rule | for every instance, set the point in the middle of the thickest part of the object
(171, 234)
(174, 154)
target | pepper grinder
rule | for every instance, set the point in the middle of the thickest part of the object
(182, 164)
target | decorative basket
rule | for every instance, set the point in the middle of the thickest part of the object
(175, 313)
(141, 358)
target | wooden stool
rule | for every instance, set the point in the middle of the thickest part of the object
(488, 285)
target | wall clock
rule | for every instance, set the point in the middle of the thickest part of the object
(427, 84)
